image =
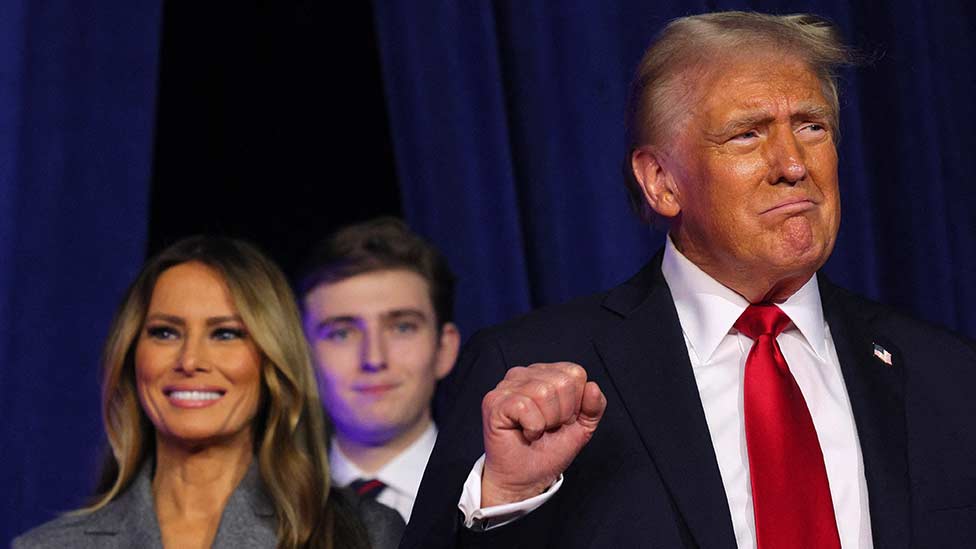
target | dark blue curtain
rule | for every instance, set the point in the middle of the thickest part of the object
(507, 120)
(77, 94)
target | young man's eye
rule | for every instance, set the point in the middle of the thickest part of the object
(336, 334)
(226, 334)
(162, 332)
(405, 327)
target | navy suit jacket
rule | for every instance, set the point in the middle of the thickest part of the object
(649, 476)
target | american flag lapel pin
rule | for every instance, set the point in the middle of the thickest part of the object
(882, 354)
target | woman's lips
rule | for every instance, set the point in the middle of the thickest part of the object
(195, 397)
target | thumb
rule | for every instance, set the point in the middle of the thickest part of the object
(592, 406)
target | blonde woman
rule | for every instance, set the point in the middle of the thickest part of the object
(213, 417)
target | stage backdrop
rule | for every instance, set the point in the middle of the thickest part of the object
(507, 120)
(77, 93)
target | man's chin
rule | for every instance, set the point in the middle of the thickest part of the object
(372, 433)
(800, 248)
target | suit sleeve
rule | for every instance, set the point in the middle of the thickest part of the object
(436, 521)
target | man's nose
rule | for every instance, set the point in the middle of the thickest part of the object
(374, 352)
(786, 158)
(192, 357)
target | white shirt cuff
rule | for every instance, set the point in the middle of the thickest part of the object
(487, 518)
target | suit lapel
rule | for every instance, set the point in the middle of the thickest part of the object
(876, 392)
(129, 520)
(647, 361)
(248, 518)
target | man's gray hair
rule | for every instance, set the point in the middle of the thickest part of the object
(667, 76)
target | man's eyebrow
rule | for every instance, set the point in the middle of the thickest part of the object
(742, 122)
(815, 111)
(394, 314)
(340, 319)
(403, 313)
(750, 119)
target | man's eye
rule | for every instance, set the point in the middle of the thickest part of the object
(226, 334)
(162, 332)
(744, 136)
(814, 128)
(336, 334)
(405, 327)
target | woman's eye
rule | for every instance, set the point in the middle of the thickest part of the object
(223, 334)
(162, 332)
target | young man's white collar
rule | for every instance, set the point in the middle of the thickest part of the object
(401, 475)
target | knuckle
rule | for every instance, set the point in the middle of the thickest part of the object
(505, 385)
(493, 396)
(540, 367)
(488, 402)
(576, 372)
(565, 385)
(520, 406)
(544, 391)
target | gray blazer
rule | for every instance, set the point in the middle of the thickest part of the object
(248, 521)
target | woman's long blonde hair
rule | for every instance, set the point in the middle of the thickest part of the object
(289, 430)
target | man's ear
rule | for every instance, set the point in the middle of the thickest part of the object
(656, 181)
(447, 349)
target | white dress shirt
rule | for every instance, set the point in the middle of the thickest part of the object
(707, 311)
(401, 475)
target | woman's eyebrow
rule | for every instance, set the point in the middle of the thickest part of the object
(167, 318)
(222, 319)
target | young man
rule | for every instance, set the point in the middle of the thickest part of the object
(377, 303)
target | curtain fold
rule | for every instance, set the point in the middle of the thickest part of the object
(455, 146)
(77, 101)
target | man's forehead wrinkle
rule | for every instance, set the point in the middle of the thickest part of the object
(793, 101)
(709, 90)
(764, 112)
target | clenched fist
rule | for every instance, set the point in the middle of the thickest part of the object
(535, 423)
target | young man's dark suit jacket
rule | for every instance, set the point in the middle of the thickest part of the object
(649, 476)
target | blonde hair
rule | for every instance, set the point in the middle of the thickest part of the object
(289, 431)
(666, 80)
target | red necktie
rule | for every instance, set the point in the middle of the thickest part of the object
(790, 493)
(367, 488)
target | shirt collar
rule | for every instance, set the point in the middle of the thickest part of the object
(403, 473)
(707, 310)
(806, 311)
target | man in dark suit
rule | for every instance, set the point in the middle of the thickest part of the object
(727, 395)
